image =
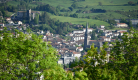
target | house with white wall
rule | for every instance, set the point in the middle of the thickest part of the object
(79, 49)
(2, 24)
(102, 26)
(89, 30)
(20, 22)
(77, 54)
(121, 25)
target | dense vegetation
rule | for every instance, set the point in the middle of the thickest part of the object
(22, 59)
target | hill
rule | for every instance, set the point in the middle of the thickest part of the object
(79, 20)
(87, 10)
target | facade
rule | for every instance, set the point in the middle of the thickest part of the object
(27, 14)
(20, 14)
(2, 24)
(66, 60)
(102, 26)
(19, 22)
(89, 30)
(121, 25)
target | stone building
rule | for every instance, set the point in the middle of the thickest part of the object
(27, 14)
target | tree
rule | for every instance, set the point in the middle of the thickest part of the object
(60, 31)
(111, 27)
(112, 22)
(4, 13)
(36, 19)
(23, 56)
(122, 63)
(74, 5)
(74, 15)
(71, 8)
(137, 25)
(74, 63)
(1, 13)
(130, 24)
(123, 21)
(45, 17)
(100, 3)
(130, 2)
(93, 37)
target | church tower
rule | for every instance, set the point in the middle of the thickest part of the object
(86, 38)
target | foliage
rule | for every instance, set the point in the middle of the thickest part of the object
(113, 22)
(130, 2)
(111, 27)
(74, 15)
(74, 5)
(137, 25)
(23, 56)
(93, 37)
(47, 8)
(36, 19)
(100, 3)
(98, 10)
(74, 63)
(129, 23)
(122, 63)
(53, 25)
(55, 73)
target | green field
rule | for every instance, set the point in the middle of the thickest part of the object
(79, 20)
(107, 4)
(110, 5)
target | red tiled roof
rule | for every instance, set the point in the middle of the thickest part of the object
(76, 52)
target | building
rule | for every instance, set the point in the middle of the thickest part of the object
(121, 25)
(27, 14)
(19, 22)
(97, 43)
(2, 24)
(86, 38)
(102, 26)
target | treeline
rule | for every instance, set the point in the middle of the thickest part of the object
(46, 8)
(98, 10)
(55, 26)
(131, 3)
(27, 1)
(78, 0)
(4, 8)
(131, 13)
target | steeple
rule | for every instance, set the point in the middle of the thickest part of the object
(86, 37)
(86, 32)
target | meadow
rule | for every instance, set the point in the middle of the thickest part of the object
(79, 20)
(110, 5)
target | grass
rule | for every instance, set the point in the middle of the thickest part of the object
(111, 5)
(107, 5)
(62, 3)
(13, 3)
(79, 20)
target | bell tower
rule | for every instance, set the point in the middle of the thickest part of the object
(86, 37)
